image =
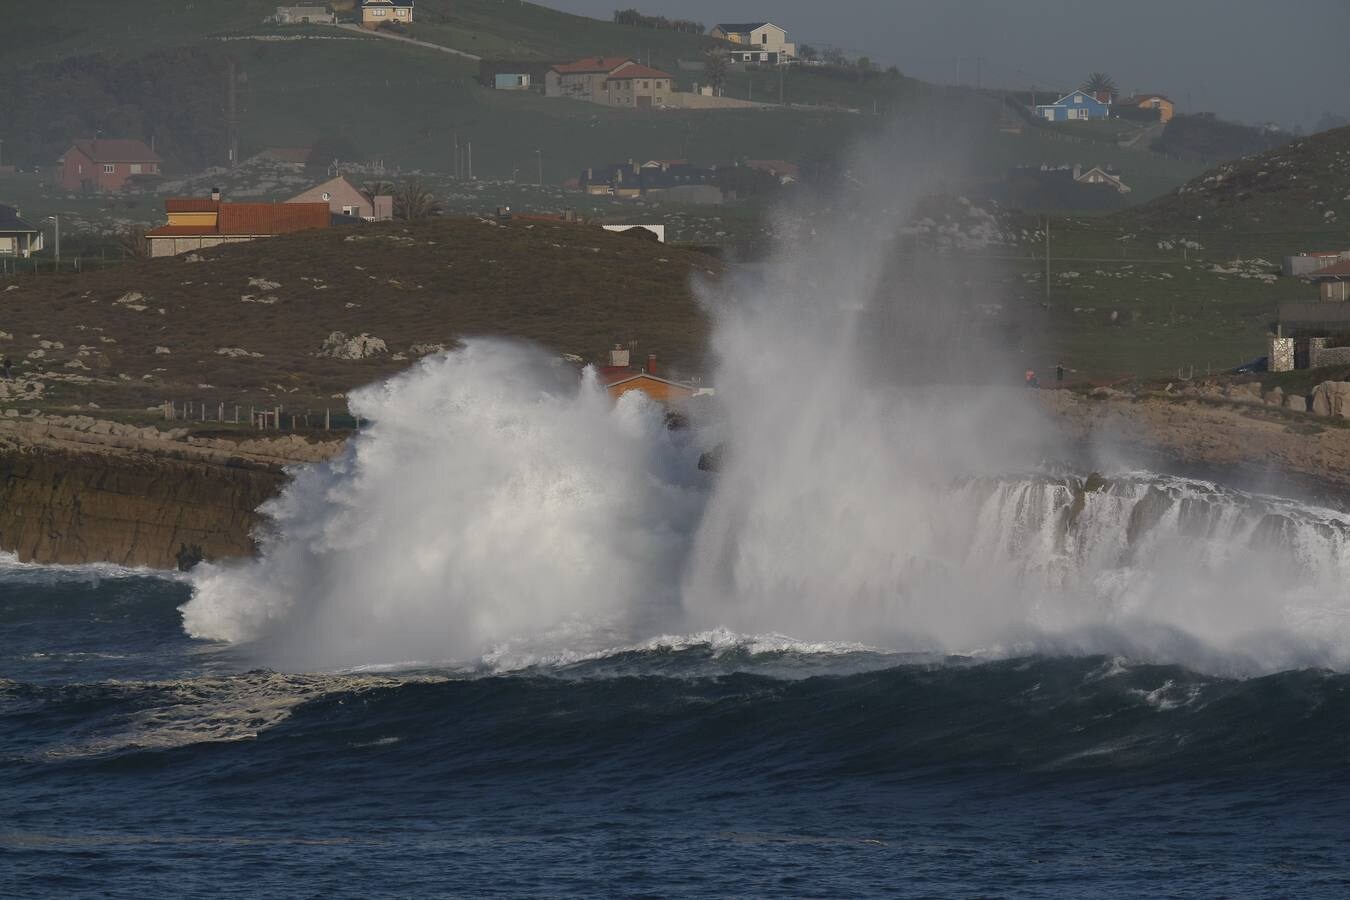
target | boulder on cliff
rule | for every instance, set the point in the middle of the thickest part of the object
(1275, 397)
(1332, 398)
(358, 346)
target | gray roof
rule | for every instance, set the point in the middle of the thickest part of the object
(10, 221)
(741, 27)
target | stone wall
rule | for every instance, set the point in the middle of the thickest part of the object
(1322, 355)
(1281, 354)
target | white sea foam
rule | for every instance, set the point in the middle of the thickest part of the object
(499, 509)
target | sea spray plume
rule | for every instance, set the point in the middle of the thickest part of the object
(493, 496)
(859, 384)
(879, 478)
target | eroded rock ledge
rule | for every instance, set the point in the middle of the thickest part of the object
(77, 490)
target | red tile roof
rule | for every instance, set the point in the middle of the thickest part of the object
(1336, 270)
(592, 65)
(190, 204)
(252, 219)
(637, 71)
(181, 231)
(103, 150)
(272, 218)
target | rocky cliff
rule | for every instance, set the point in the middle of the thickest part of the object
(75, 490)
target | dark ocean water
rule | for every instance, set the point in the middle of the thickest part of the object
(135, 762)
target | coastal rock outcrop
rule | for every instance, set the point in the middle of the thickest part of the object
(1331, 398)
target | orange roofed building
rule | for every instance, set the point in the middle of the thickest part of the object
(619, 378)
(196, 223)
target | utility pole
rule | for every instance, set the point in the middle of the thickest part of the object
(782, 74)
(1047, 257)
(231, 115)
(539, 155)
(469, 153)
(57, 220)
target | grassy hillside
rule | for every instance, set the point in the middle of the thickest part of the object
(50, 32)
(493, 29)
(246, 324)
(1283, 199)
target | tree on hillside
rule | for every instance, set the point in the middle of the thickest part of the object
(806, 51)
(835, 57)
(412, 200)
(1099, 84)
(715, 67)
(379, 188)
(131, 241)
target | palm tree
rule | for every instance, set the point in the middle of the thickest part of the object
(412, 200)
(1101, 86)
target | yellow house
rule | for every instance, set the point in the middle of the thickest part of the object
(375, 13)
(1165, 107)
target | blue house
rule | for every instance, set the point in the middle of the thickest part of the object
(1072, 107)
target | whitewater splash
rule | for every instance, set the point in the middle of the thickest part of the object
(495, 496)
(866, 493)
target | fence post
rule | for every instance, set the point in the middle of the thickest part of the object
(327, 420)
(276, 414)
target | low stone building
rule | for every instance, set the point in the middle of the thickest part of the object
(304, 15)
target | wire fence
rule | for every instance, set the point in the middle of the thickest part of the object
(259, 418)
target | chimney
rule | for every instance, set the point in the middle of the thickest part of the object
(651, 363)
(1077, 171)
(618, 357)
(215, 194)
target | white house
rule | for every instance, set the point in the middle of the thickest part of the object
(762, 42)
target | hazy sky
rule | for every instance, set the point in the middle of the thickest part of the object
(1250, 60)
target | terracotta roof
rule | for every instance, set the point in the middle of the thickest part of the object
(272, 218)
(181, 231)
(611, 378)
(190, 204)
(1336, 270)
(254, 219)
(592, 65)
(637, 71)
(104, 150)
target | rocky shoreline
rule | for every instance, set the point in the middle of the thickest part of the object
(76, 489)
(80, 490)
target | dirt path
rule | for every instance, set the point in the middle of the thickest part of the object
(407, 40)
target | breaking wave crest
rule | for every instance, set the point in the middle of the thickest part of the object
(873, 488)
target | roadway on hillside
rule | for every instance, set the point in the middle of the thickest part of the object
(408, 40)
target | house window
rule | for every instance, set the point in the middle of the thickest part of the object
(1077, 98)
(135, 168)
(764, 57)
(80, 167)
(378, 13)
(764, 38)
(109, 168)
(400, 12)
(349, 210)
(646, 85)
